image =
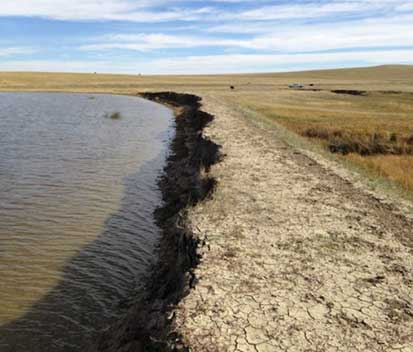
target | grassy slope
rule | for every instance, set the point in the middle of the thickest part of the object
(359, 117)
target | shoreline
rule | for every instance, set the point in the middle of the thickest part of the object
(149, 322)
(295, 255)
(298, 257)
(299, 252)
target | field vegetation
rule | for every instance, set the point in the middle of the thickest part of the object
(114, 116)
(363, 116)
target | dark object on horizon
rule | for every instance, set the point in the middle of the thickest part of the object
(311, 84)
(232, 87)
(296, 86)
(350, 92)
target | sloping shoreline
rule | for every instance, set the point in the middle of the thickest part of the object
(148, 325)
(298, 257)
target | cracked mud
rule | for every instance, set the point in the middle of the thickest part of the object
(297, 257)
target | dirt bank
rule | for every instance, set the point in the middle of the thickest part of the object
(294, 253)
(148, 326)
(299, 256)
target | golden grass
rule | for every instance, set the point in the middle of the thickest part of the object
(380, 123)
(361, 142)
(398, 169)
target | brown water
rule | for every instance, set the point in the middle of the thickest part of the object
(77, 193)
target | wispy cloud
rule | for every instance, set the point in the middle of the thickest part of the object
(310, 10)
(285, 62)
(297, 38)
(98, 10)
(13, 51)
(244, 35)
(216, 63)
(344, 35)
(164, 10)
(148, 42)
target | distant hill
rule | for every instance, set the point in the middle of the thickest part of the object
(384, 72)
(388, 77)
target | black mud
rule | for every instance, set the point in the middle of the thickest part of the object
(149, 323)
(350, 92)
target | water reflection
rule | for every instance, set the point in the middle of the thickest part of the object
(70, 262)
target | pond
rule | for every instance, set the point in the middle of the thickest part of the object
(78, 187)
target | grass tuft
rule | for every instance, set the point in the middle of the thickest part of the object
(114, 116)
(364, 144)
(397, 168)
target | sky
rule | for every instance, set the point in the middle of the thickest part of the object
(202, 37)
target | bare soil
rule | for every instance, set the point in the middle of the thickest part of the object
(298, 256)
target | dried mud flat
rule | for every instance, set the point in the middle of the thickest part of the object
(296, 256)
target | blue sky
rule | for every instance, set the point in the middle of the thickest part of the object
(216, 36)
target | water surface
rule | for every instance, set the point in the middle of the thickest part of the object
(77, 192)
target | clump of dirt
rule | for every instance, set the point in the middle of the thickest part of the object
(395, 92)
(350, 92)
(321, 133)
(399, 310)
(371, 144)
(148, 324)
(365, 144)
(114, 116)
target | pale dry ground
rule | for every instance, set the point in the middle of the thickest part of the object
(297, 257)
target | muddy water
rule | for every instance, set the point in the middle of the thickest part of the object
(77, 192)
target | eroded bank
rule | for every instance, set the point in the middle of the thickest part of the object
(149, 323)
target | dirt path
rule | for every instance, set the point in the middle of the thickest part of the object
(297, 258)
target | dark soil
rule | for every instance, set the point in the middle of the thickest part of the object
(345, 142)
(350, 92)
(148, 325)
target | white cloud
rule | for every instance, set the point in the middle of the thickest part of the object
(272, 32)
(146, 42)
(297, 38)
(310, 10)
(345, 35)
(405, 7)
(319, 9)
(58, 66)
(98, 10)
(281, 62)
(61, 9)
(218, 63)
(4, 52)
(170, 10)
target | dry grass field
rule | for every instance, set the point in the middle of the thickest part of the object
(372, 129)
